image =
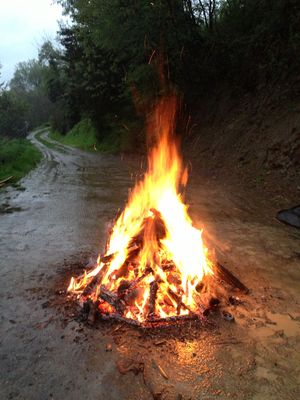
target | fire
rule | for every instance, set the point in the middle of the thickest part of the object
(155, 258)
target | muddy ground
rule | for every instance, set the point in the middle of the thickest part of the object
(57, 218)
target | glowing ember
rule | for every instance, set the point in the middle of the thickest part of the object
(155, 259)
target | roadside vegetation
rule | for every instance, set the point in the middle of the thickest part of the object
(82, 136)
(85, 137)
(17, 158)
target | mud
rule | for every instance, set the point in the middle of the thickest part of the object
(62, 219)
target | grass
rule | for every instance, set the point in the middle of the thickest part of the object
(82, 136)
(119, 137)
(17, 158)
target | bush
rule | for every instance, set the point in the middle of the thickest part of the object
(17, 158)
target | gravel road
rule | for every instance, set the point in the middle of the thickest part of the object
(59, 217)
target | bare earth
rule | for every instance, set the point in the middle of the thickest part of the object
(60, 219)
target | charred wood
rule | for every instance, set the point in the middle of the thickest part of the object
(122, 271)
(112, 299)
(168, 267)
(178, 300)
(153, 227)
(152, 299)
(222, 273)
(123, 287)
(93, 313)
(96, 281)
(154, 322)
(126, 292)
(89, 311)
(105, 259)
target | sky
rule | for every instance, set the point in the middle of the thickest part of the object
(23, 26)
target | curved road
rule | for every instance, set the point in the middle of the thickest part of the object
(62, 213)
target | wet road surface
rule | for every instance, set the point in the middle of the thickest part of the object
(63, 213)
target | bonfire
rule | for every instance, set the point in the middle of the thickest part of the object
(156, 268)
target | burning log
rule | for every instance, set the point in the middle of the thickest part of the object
(126, 288)
(152, 226)
(168, 266)
(96, 281)
(133, 247)
(122, 271)
(123, 288)
(134, 283)
(129, 291)
(89, 311)
(152, 299)
(179, 301)
(112, 299)
(155, 322)
(226, 276)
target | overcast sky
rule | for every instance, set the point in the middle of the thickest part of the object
(23, 26)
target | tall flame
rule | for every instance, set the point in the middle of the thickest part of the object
(156, 215)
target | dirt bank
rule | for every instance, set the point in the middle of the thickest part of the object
(252, 140)
(45, 353)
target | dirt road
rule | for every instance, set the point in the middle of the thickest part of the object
(62, 215)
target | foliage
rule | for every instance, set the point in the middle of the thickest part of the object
(29, 85)
(83, 136)
(204, 43)
(17, 158)
(1, 83)
(13, 111)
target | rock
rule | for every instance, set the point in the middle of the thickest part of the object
(108, 347)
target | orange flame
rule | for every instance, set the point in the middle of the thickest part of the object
(156, 217)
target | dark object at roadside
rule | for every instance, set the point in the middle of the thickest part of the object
(290, 216)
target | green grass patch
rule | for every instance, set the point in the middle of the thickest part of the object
(82, 136)
(118, 137)
(17, 158)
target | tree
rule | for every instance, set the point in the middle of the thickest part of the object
(113, 47)
(112, 51)
(13, 114)
(1, 83)
(29, 85)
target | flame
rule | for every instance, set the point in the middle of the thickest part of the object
(156, 220)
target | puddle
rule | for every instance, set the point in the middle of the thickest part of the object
(279, 324)
(288, 323)
(265, 373)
